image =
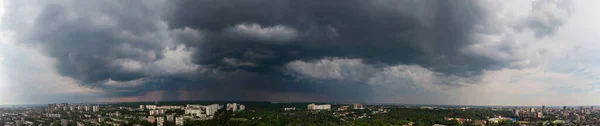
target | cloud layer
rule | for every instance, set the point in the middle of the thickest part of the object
(339, 50)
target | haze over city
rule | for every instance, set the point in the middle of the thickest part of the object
(458, 52)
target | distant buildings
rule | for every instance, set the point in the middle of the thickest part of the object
(235, 107)
(500, 119)
(142, 107)
(459, 120)
(53, 115)
(319, 107)
(232, 107)
(158, 112)
(479, 122)
(242, 108)
(358, 106)
(343, 108)
(531, 113)
(543, 108)
(57, 106)
(151, 107)
(193, 111)
(211, 109)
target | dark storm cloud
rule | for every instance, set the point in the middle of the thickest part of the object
(95, 40)
(389, 32)
(241, 46)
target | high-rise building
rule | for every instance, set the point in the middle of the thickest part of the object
(87, 108)
(532, 109)
(95, 108)
(160, 121)
(543, 108)
(516, 112)
(565, 108)
(179, 121)
(142, 107)
(171, 117)
(242, 108)
(232, 106)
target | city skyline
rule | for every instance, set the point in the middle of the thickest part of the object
(466, 52)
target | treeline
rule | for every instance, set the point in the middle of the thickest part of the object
(419, 117)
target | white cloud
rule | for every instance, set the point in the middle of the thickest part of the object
(278, 34)
(128, 65)
(333, 69)
(546, 17)
(131, 83)
(178, 60)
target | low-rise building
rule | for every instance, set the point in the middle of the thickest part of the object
(319, 107)
(358, 106)
(151, 119)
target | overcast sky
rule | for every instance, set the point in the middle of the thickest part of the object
(475, 52)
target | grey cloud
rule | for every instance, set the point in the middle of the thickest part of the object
(388, 32)
(128, 36)
(398, 83)
(278, 34)
(546, 17)
(333, 69)
(250, 46)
